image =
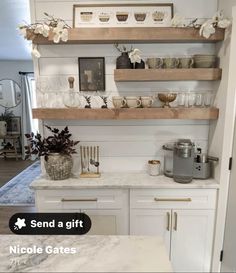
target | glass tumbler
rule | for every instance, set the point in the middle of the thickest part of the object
(182, 99)
(199, 100)
(208, 99)
(56, 99)
(45, 100)
(191, 99)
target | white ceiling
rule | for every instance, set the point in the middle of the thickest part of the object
(12, 45)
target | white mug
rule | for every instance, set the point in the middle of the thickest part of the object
(118, 102)
(133, 102)
(147, 102)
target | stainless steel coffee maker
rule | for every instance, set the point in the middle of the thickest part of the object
(183, 160)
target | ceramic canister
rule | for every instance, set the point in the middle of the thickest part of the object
(154, 167)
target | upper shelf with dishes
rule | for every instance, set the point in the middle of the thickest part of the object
(131, 35)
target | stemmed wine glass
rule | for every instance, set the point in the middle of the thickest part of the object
(42, 87)
(49, 89)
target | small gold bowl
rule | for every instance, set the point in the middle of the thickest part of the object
(167, 98)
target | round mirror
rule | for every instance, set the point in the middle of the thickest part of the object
(10, 93)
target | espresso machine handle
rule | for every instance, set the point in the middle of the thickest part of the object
(166, 148)
(213, 158)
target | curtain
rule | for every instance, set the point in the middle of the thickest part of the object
(27, 105)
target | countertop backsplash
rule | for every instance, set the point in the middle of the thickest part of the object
(126, 146)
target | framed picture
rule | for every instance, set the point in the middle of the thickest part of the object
(92, 74)
(123, 15)
(14, 126)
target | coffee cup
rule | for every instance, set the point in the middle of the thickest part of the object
(147, 102)
(104, 17)
(86, 16)
(140, 16)
(154, 63)
(122, 16)
(118, 102)
(171, 63)
(133, 102)
(186, 62)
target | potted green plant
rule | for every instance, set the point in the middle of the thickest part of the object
(4, 121)
(56, 149)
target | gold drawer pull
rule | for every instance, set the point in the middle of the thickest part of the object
(168, 221)
(79, 200)
(173, 199)
(176, 221)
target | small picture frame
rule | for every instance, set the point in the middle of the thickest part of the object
(14, 126)
(92, 73)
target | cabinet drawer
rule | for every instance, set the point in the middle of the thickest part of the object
(81, 199)
(173, 198)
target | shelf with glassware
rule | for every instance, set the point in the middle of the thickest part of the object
(131, 35)
(189, 74)
(192, 113)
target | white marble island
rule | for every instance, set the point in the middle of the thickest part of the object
(93, 254)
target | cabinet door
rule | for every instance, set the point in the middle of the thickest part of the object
(191, 240)
(108, 222)
(151, 222)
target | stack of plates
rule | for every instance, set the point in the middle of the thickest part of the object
(205, 61)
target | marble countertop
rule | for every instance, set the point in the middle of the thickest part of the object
(121, 180)
(93, 254)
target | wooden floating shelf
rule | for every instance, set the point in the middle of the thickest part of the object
(2, 151)
(126, 113)
(193, 74)
(132, 35)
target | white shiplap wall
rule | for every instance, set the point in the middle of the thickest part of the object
(125, 145)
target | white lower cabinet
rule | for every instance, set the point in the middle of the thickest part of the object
(184, 218)
(174, 215)
(152, 223)
(108, 209)
(191, 240)
(108, 222)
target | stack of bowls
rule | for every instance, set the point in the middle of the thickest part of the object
(205, 61)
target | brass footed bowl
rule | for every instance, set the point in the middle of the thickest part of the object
(167, 98)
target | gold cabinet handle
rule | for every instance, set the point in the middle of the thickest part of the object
(168, 221)
(79, 200)
(176, 221)
(172, 199)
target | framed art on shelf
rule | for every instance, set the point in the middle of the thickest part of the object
(92, 74)
(14, 126)
(123, 15)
